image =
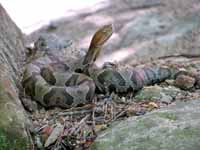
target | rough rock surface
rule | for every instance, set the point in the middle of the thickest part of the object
(157, 93)
(13, 121)
(184, 82)
(144, 29)
(175, 127)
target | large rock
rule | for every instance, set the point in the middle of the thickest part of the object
(144, 29)
(172, 128)
(156, 35)
(13, 122)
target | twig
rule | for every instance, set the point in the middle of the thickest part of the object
(119, 115)
(73, 113)
(77, 127)
(31, 144)
(40, 129)
(93, 113)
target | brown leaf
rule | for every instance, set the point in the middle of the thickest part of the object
(100, 127)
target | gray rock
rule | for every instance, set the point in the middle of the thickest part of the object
(149, 93)
(185, 82)
(13, 121)
(167, 99)
(51, 42)
(161, 35)
(144, 29)
(172, 128)
(157, 93)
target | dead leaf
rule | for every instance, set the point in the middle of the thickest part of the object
(54, 134)
(46, 131)
(100, 127)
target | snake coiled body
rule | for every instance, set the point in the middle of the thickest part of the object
(61, 87)
(51, 82)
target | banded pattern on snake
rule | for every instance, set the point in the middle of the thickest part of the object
(51, 82)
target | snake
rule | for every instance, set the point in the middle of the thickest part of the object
(49, 80)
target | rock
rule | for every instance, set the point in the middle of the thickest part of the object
(169, 82)
(175, 127)
(157, 93)
(171, 91)
(52, 42)
(29, 105)
(52, 26)
(144, 29)
(160, 35)
(13, 121)
(166, 99)
(184, 82)
(149, 93)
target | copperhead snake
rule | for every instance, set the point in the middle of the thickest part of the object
(51, 82)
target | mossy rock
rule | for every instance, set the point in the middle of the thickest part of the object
(151, 93)
(175, 127)
(12, 140)
(167, 115)
(157, 93)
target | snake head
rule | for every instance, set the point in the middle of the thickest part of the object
(101, 36)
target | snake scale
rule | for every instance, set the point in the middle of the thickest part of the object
(51, 82)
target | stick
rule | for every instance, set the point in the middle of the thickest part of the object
(77, 127)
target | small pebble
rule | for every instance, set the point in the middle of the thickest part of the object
(169, 82)
(184, 82)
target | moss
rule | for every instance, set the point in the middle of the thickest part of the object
(187, 138)
(187, 133)
(176, 127)
(167, 115)
(12, 119)
(146, 123)
(151, 93)
(12, 141)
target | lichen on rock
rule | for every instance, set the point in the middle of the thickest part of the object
(175, 127)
